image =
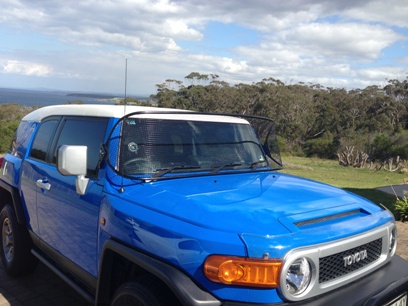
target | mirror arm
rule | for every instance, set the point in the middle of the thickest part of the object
(81, 183)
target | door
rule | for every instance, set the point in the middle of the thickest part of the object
(67, 221)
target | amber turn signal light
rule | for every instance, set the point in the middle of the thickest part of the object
(243, 271)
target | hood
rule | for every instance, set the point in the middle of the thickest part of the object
(266, 204)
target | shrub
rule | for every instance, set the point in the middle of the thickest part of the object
(401, 208)
(323, 147)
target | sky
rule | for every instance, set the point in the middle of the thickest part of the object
(105, 46)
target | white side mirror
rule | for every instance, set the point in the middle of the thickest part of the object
(72, 160)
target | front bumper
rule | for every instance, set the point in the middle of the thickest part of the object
(378, 288)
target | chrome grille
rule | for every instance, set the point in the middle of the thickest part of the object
(333, 266)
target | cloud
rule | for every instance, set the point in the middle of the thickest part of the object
(140, 25)
(301, 40)
(26, 68)
(391, 12)
(339, 40)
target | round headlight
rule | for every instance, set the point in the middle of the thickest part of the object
(298, 276)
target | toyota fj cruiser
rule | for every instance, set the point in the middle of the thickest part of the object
(148, 206)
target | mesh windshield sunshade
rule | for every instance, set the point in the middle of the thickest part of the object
(157, 146)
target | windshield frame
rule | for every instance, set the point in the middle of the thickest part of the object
(168, 173)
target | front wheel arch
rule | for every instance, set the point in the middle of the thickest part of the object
(183, 289)
(145, 290)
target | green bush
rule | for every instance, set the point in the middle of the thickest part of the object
(401, 208)
(7, 131)
(323, 147)
(10, 116)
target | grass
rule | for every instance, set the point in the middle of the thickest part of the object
(360, 181)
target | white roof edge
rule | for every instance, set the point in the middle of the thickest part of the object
(118, 111)
(95, 110)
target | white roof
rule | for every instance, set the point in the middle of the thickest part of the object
(95, 110)
(118, 111)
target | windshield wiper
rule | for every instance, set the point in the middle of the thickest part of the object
(255, 165)
(225, 166)
(162, 171)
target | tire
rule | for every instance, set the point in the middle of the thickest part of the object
(145, 291)
(16, 245)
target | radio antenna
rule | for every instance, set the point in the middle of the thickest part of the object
(125, 101)
(122, 189)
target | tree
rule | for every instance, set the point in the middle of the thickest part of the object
(310, 118)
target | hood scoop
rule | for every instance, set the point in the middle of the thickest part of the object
(324, 217)
(328, 218)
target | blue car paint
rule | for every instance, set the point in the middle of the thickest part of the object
(247, 214)
(61, 212)
(240, 203)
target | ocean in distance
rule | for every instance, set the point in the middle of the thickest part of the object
(31, 97)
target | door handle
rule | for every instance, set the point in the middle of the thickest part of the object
(43, 185)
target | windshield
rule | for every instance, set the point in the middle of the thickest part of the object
(157, 147)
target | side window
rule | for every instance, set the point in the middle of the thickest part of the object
(22, 138)
(43, 139)
(88, 132)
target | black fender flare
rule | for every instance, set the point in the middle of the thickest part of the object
(17, 204)
(179, 283)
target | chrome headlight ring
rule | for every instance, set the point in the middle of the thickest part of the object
(298, 277)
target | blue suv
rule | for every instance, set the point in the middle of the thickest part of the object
(146, 206)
